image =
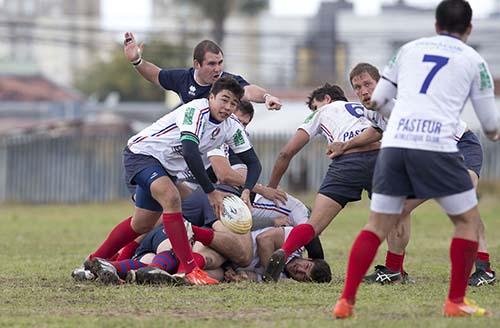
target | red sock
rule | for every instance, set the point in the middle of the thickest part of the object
(200, 260)
(483, 256)
(394, 262)
(462, 255)
(120, 236)
(128, 251)
(173, 223)
(362, 253)
(114, 257)
(203, 235)
(483, 261)
(299, 236)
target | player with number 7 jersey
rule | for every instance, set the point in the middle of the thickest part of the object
(348, 175)
(431, 79)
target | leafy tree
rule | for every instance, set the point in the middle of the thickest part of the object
(118, 75)
(218, 10)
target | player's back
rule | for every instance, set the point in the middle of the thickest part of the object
(434, 78)
(337, 121)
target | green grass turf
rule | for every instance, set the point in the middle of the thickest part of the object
(41, 245)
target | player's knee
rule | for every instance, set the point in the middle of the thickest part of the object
(244, 259)
(142, 226)
(169, 201)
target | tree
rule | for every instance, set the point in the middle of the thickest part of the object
(118, 75)
(218, 10)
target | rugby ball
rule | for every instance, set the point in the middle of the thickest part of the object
(235, 215)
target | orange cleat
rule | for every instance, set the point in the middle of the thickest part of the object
(343, 310)
(199, 277)
(466, 309)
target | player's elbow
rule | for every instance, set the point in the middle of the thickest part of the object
(224, 178)
(285, 155)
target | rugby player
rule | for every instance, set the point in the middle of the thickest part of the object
(431, 79)
(348, 175)
(364, 78)
(195, 82)
(157, 154)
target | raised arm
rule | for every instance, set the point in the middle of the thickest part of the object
(133, 53)
(298, 141)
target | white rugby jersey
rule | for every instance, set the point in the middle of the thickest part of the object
(255, 265)
(434, 77)
(376, 119)
(162, 139)
(337, 121)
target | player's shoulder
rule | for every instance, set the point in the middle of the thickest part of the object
(193, 106)
(233, 120)
(177, 72)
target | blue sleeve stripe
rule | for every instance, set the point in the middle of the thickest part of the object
(393, 83)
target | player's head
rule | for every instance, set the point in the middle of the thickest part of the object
(245, 112)
(208, 61)
(305, 270)
(454, 16)
(364, 78)
(324, 95)
(224, 97)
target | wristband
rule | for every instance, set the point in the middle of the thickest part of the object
(137, 62)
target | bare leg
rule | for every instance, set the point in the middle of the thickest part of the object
(324, 211)
(235, 247)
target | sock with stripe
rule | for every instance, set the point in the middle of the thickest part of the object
(300, 236)
(121, 235)
(362, 253)
(173, 223)
(462, 255)
(166, 261)
(124, 266)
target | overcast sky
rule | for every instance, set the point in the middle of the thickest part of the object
(128, 14)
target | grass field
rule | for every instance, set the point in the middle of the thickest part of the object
(40, 245)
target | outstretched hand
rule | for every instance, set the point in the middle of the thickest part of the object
(273, 103)
(132, 51)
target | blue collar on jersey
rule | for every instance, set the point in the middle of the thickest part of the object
(451, 36)
(213, 120)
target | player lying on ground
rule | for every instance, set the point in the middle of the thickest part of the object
(155, 263)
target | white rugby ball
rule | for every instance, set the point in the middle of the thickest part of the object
(236, 216)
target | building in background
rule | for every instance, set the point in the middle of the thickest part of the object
(55, 38)
(375, 39)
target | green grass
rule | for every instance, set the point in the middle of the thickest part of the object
(40, 245)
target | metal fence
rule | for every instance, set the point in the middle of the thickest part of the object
(71, 169)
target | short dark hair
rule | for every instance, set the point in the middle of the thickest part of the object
(320, 271)
(364, 68)
(227, 83)
(454, 16)
(203, 47)
(246, 108)
(334, 91)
